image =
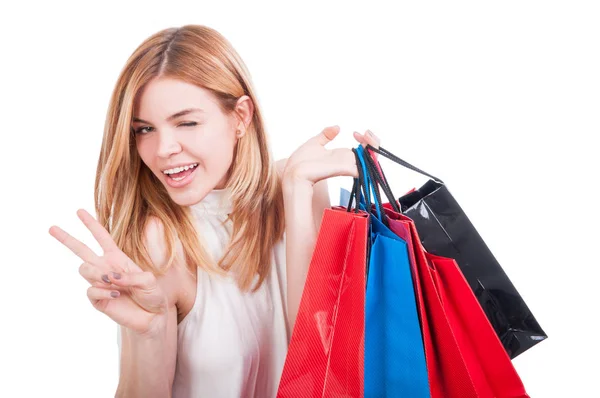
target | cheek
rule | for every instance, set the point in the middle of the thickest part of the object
(214, 150)
(144, 150)
(216, 156)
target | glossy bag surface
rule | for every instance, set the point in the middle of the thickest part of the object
(445, 230)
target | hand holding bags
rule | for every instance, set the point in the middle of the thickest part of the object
(417, 308)
(333, 350)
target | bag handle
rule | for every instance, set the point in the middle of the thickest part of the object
(363, 186)
(396, 159)
(372, 191)
(359, 187)
(359, 184)
(377, 175)
(370, 175)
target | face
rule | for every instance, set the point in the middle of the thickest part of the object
(184, 137)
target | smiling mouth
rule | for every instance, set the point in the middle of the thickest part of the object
(181, 175)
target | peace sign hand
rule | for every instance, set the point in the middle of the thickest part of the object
(119, 287)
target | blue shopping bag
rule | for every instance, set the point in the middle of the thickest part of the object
(394, 353)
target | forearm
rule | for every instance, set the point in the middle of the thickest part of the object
(147, 364)
(301, 236)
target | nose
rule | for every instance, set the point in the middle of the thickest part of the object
(167, 144)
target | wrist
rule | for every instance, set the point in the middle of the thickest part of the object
(156, 331)
(293, 182)
(293, 189)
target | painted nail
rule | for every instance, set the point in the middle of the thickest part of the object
(115, 294)
(105, 278)
(116, 275)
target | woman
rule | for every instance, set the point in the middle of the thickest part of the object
(206, 240)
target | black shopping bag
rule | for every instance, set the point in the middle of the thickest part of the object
(445, 230)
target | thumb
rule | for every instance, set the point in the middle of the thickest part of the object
(328, 134)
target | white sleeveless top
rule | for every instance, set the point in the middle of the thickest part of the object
(231, 344)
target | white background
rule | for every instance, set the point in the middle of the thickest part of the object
(500, 100)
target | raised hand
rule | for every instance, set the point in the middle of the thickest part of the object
(119, 287)
(312, 162)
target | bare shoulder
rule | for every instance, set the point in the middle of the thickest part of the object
(154, 240)
(280, 166)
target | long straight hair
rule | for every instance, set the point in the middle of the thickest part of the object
(125, 201)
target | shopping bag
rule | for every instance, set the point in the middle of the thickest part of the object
(394, 354)
(326, 352)
(465, 358)
(445, 230)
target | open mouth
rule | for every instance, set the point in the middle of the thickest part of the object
(180, 176)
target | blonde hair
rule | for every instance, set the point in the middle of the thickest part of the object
(125, 201)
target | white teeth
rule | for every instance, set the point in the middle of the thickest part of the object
(178, 178)
(180, 169)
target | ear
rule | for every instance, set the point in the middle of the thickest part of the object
(244, 109)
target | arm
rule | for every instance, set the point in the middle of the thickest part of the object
(301, 237)
(300, 200)
(144, 309)
(147, 366)
(305, 193)
(148, 362)
(320, 197)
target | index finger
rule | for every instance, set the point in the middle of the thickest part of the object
(77, 247)
(100, 233)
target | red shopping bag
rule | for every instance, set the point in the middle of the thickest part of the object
(448, 374)
(464, 356)
(326, 352)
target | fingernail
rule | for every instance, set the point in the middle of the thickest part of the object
(114, 294)
(105, 278)
(116, 275)
(369, 133)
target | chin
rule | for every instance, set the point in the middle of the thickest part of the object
(189, 197)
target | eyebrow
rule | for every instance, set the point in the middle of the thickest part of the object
(173, 116)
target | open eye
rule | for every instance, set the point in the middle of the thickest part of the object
(140, 130)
